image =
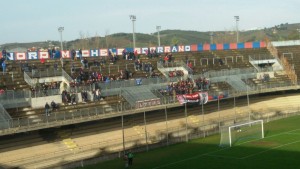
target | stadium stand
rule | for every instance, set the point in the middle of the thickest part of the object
(126, 86)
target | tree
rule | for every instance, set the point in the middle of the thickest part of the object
(175, 41)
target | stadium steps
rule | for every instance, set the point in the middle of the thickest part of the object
(22, 143)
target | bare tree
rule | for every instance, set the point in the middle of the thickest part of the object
(107, 39)
(96, 41)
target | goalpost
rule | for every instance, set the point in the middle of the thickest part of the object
(241, 132)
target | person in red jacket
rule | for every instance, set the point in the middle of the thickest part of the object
(42, 60)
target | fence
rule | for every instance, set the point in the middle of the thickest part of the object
(44, 92)
(4, 118)
(28, 79)
(14, 99)
(130, 83)
(66, 75)
(40, 73)
(228, 72)
(117, 109)
(11, 95)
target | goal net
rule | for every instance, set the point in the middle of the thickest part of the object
(241, 132)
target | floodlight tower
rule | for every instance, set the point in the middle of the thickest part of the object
(60, 30)
(158, 36)
(237, 19)
(133, 19)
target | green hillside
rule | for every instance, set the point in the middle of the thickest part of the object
(169, 37)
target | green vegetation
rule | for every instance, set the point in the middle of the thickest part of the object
(168, 37)
(279, 149)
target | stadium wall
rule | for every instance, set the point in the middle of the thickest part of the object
(286, 43)
(34, 55)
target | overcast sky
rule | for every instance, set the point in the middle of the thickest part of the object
(38, 20)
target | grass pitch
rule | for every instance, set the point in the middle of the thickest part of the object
(280, 149)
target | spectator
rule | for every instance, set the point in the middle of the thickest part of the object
(50, 53)
(73, 54)
(34, 70)
(97, 95)
(54, 105)
(42, 60)
(55, 66)
(124, 54)
(64, 96)
(4, 53)
(160, 59)
(47, 109)
(84, 96)
(73, 68)
(130, 158)
(138, 64)
(80, 54)
(135, 54)
(96, 63)
(221, 62)
(190, 65)
(53, 53)
(57, 54)
(84, 63)
(73, 98)
(3, 67)
(2, 91)
(166, 58)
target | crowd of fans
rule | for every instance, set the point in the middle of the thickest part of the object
(68, 98)
(176, 73)
(180, 87)
(168, 58)
(84, 96)
(83, 77)
(186, 86)
(202, 83)
(43, 89)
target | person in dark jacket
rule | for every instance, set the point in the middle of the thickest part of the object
(47, 109)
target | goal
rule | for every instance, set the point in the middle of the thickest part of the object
(241, 132)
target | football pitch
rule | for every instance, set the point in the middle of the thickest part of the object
(279, 149)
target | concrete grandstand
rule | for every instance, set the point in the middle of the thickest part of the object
(136, 109)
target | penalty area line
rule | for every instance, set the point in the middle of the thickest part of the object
(273, 148)
(208, 153)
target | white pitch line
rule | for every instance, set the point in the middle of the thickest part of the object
(205, 154)
(270, 149)
(221, 156)
(187, 159)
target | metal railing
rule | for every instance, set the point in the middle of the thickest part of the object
(11, 95)
(41, 73)
(130, 82)
(66, 75)
(101, 112)
(28, 80)
(44, 92)
(260, 69)
(155, 139)
(190, 71)
(4, 118)
(228, 72)
(14, 99)
(81, 88)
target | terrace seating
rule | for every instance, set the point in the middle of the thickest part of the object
(202, 62)
(292, 53)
